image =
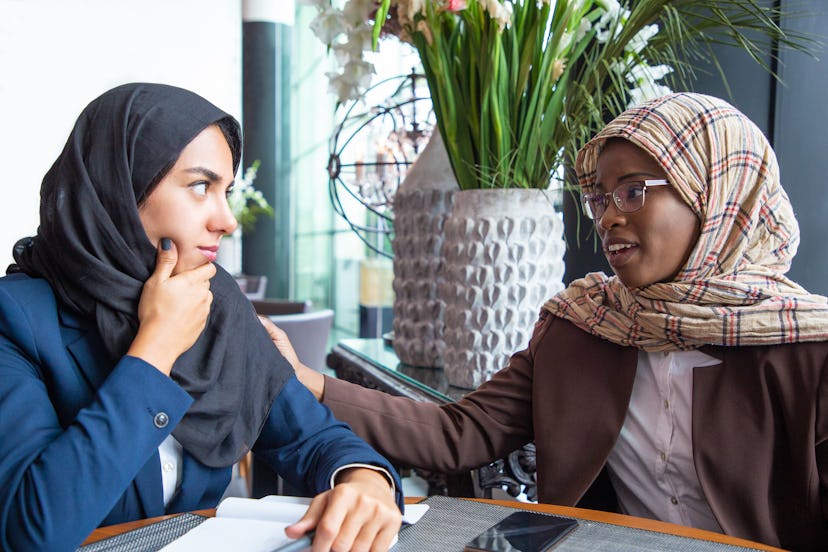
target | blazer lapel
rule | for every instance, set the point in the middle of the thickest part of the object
(194, 480)
(148, 485)
(86, 348)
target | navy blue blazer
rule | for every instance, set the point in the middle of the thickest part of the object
(79, 437)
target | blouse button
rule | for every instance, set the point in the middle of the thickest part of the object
(674, 500)
(161, 420)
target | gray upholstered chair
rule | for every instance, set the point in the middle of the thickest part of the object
(308, 333)
(271, 307)
(252, 286)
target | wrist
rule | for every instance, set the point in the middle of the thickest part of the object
(313, 380)
(151, 351)
(363, 474)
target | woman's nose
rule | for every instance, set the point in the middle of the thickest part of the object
(223, 219)
(612, 216)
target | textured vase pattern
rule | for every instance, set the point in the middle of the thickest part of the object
(503, 257)
(421, 206)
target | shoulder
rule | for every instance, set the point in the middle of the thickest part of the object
(28, 295)
(26, 303)
(19, 280)
(805, 362)
(560, 343)
(553, 328)
(806, 352)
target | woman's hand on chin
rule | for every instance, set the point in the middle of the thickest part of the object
(172, 311)
(310, 378)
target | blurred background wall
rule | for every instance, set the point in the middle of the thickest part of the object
(57, 55)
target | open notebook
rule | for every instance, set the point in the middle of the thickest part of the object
(255, 524)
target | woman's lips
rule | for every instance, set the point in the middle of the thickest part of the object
(619, 256)
(210, 252)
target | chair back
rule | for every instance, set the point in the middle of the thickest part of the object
(308, 333)
(270, 307)
(252, 286)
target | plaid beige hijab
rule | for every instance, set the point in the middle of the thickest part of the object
(733, 290)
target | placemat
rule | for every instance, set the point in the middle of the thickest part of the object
(450, 523)
(148, 538)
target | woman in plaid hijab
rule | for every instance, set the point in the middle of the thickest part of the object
(732, 289)
(692, 386)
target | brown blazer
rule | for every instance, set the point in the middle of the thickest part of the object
(760, 426)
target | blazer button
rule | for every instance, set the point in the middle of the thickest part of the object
(161, 420)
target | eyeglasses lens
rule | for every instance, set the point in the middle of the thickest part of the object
(628, 198)
(594, 205)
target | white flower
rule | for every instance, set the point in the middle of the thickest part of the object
(358, 41)
(360, 71)
(352, 81)
(501, 13)
(583, 29)
(644, 78)
(342, 87)
(645, 74)
(345, 52)
(356, 12)
(647, 92)
(641, 38)
(565, 42)
(612, 19)
(505, 17)
(328, 24)
(246, 202)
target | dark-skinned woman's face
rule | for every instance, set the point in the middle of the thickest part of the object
(652, 244)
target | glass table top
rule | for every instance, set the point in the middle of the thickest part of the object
(381, 355)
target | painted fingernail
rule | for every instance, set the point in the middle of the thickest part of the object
(166, 244)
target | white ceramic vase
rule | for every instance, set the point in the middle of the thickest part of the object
(229, 255)
(421, 205)
(502, 258)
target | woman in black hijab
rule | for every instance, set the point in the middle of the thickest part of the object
(123, 347)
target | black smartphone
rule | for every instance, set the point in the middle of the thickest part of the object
(523, 532)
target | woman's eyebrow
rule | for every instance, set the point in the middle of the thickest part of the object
(639, 174)
(209, 174)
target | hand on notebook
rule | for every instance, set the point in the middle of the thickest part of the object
(359, 513)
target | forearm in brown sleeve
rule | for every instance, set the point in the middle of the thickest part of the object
(485, 425)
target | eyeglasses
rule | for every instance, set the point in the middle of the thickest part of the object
(628, 198)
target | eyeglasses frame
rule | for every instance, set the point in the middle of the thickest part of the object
(647, 183)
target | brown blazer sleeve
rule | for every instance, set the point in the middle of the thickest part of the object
(486, 424)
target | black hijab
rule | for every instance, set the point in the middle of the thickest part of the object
(92, 249)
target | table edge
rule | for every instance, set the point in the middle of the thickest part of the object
(568, 511)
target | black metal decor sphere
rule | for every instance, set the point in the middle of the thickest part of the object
(370, 151)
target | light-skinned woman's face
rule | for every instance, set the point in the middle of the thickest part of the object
(652, 244)
(189, 204)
